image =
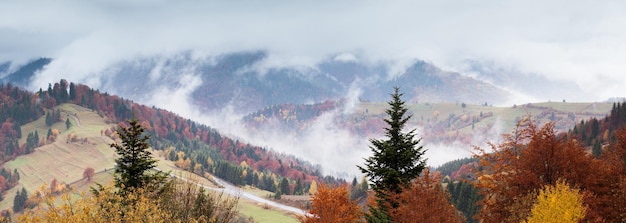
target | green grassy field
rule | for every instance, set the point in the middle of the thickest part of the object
(261, 214)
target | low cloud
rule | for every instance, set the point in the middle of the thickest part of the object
(563, 40)
(580, 41)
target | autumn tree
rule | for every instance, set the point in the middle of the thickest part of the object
(424, 200)
(332, 204)
(178, 201)
(313, 188)
(88, 173)
(528, 159)
(53, 185)
(558, 204)
(613, 178)
(135, 163)
(395, 161)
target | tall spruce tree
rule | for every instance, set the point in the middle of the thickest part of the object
(396, 160)
(135, 163)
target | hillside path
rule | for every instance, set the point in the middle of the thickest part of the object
(75, 120)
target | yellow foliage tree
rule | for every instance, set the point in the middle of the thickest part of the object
(105, 207)
(558, 204)
(313, 188)
(179, 201)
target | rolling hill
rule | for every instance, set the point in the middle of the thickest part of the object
(437, 122)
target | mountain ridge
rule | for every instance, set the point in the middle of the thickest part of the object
(244, 81)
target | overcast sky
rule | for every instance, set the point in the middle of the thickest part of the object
(584, 41)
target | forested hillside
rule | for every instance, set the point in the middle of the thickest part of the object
(200, 148)
(17, 107)
(599, 133)
(505, 182)
(194, 147)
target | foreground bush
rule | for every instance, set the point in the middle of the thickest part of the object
(178, 201)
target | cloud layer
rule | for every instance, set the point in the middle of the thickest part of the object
(580, 41)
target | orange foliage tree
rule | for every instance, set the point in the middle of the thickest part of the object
(529, 159)
(424, 200)
(88, 173)
(613, 180)
(331, 205)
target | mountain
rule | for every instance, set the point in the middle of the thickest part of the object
(530, 84)
(4, 67)
(22, 76)
(247, 82)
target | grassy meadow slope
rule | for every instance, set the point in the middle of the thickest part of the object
(62, 160)
(455, 116)
(66, 161)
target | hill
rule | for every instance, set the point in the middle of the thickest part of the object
(438, 122)
(65, 153)
(63, 160)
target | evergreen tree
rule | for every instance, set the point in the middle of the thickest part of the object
(134, 162)
(49, 121)
(284, 187)
(72, 91)
(18, 129)
(19, 202)
(68, 124)
(596, 149)
(395, 161)
(298, 189)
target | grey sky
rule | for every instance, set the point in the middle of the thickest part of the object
(577, 40)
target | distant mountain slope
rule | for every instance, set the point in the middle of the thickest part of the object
(4, 67)
(22, 76)
(438, 122)
(533, 85)
(245, 81)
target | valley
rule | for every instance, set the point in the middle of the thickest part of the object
(65, 159)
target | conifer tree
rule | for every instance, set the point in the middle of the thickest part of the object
(68, 124)
(134, 162)
(298, 190)
(284, 187)
(19, 202)
(395, 161)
